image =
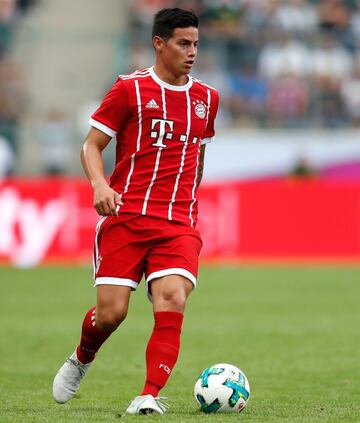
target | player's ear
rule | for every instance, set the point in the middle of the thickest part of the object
(158, 43)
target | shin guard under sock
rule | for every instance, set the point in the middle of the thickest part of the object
(91, 338)
(162, 350)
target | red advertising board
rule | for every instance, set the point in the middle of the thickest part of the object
(46, 220)
(286, 219)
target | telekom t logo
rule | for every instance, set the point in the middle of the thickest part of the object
(163, 128)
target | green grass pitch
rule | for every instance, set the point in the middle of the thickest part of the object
(294, 331)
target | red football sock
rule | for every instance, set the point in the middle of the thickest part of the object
(162, 350)
(91, 338)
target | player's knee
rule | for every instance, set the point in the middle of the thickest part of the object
(109, 320)
(173, 299)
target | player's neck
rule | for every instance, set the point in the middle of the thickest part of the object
(166, 76)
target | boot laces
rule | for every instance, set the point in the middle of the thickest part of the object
(80, 367)
(163, 405)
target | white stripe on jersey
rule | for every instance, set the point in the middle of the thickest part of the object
(208, 107)
(139, 73)
(136, 76)
(96, 258)
(138, 98)
(194, 186)
(156, 167)
(183, 155)
(203, 83)
(197, 160)
(163, 98)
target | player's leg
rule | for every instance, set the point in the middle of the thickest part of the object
(171, 276)
(118, 269)
(98, 325)
(169, 295)
(102, 320)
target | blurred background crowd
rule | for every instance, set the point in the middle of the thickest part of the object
(277, 63)
(292, 64)
(12, 83)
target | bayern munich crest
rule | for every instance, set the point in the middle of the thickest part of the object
(200, 109)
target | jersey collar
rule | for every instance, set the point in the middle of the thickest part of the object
(185, 87)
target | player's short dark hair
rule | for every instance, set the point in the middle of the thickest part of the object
(167, 20)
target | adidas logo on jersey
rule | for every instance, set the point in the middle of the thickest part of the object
(152, 104)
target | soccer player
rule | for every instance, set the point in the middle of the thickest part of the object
(161, 118)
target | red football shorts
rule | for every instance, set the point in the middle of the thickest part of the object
(129, 246)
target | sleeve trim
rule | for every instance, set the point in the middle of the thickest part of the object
(207, 140)
(102, 128)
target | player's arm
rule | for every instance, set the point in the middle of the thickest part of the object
(105, 198)
(201, 164)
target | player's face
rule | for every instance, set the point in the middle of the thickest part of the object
(178, 53)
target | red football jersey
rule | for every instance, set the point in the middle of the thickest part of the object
(159, 129)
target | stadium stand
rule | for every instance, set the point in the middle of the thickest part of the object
(278, 64)
(291, 64)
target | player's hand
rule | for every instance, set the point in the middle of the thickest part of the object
(106, 200)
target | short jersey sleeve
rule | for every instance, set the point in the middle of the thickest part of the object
(209, 133)
(111, 114)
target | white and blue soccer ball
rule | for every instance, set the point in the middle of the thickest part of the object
(222, 388)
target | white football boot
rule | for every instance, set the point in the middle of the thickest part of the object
(147, 404)
(68, 378)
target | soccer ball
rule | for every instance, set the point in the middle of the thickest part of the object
(222, 388)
